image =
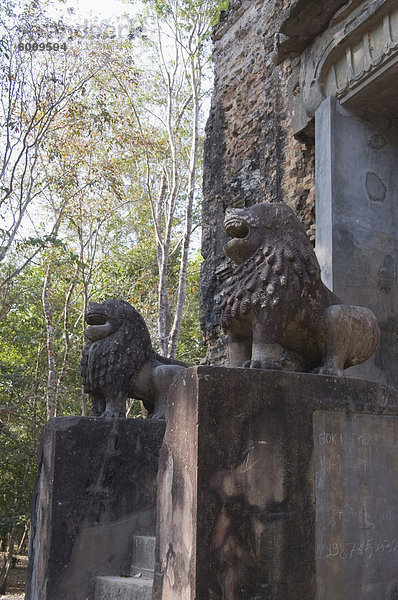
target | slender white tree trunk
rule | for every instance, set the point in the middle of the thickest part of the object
(181, 293)
(48, 310)
(67, 345)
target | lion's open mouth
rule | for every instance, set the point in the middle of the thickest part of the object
(95, 319)
(236, 228)
(99, 326)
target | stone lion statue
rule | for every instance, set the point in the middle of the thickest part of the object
(275, 299)
(119, 362)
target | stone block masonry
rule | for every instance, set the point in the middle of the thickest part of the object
(277, 485)
(96, 489)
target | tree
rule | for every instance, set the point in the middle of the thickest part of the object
(108, 161)
(177, 68)
(36, 88)
(85, 190)
(21, 378)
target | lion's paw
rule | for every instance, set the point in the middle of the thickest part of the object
(268, 365)
(112, 414)
(328, 371)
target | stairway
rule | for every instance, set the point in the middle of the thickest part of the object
(137, 586)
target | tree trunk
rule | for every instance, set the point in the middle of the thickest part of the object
(67, 346)
(164, 312)
(23, 538)
(181, 293)
(48, 310)
(164, 252)
(8, 560)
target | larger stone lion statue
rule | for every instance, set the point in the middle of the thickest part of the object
(119, 362)
(275, 299)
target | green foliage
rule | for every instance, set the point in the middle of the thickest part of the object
(89, 229)
(187, 8)
(22, 410)
(17, 475)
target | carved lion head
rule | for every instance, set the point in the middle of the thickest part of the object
(118, 344)
(274, 257)
(253, 227)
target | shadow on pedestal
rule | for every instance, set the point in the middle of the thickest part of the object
(277, 486)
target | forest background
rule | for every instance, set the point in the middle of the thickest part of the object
(101, 165)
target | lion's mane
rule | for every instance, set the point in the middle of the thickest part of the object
(116, 358)
(272, 276)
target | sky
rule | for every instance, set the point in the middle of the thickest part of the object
(92, 14)
(102, 9)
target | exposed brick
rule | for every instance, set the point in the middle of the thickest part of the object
(250, 152)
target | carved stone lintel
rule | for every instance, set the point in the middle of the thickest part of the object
(353, 60)
(301, 22)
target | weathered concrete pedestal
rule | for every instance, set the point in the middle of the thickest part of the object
(96, 488)
(277, 486)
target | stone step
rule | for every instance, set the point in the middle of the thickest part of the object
(122, 588)
(143, 555)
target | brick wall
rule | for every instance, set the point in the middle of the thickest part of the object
(250, 153)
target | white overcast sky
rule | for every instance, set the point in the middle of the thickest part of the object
(103, 9)
(89, 12)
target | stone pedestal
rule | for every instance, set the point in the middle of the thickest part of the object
(96, 488)
(356, 216)
(277, 486)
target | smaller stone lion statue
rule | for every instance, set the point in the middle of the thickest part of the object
(275, 299)
(119, 362)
